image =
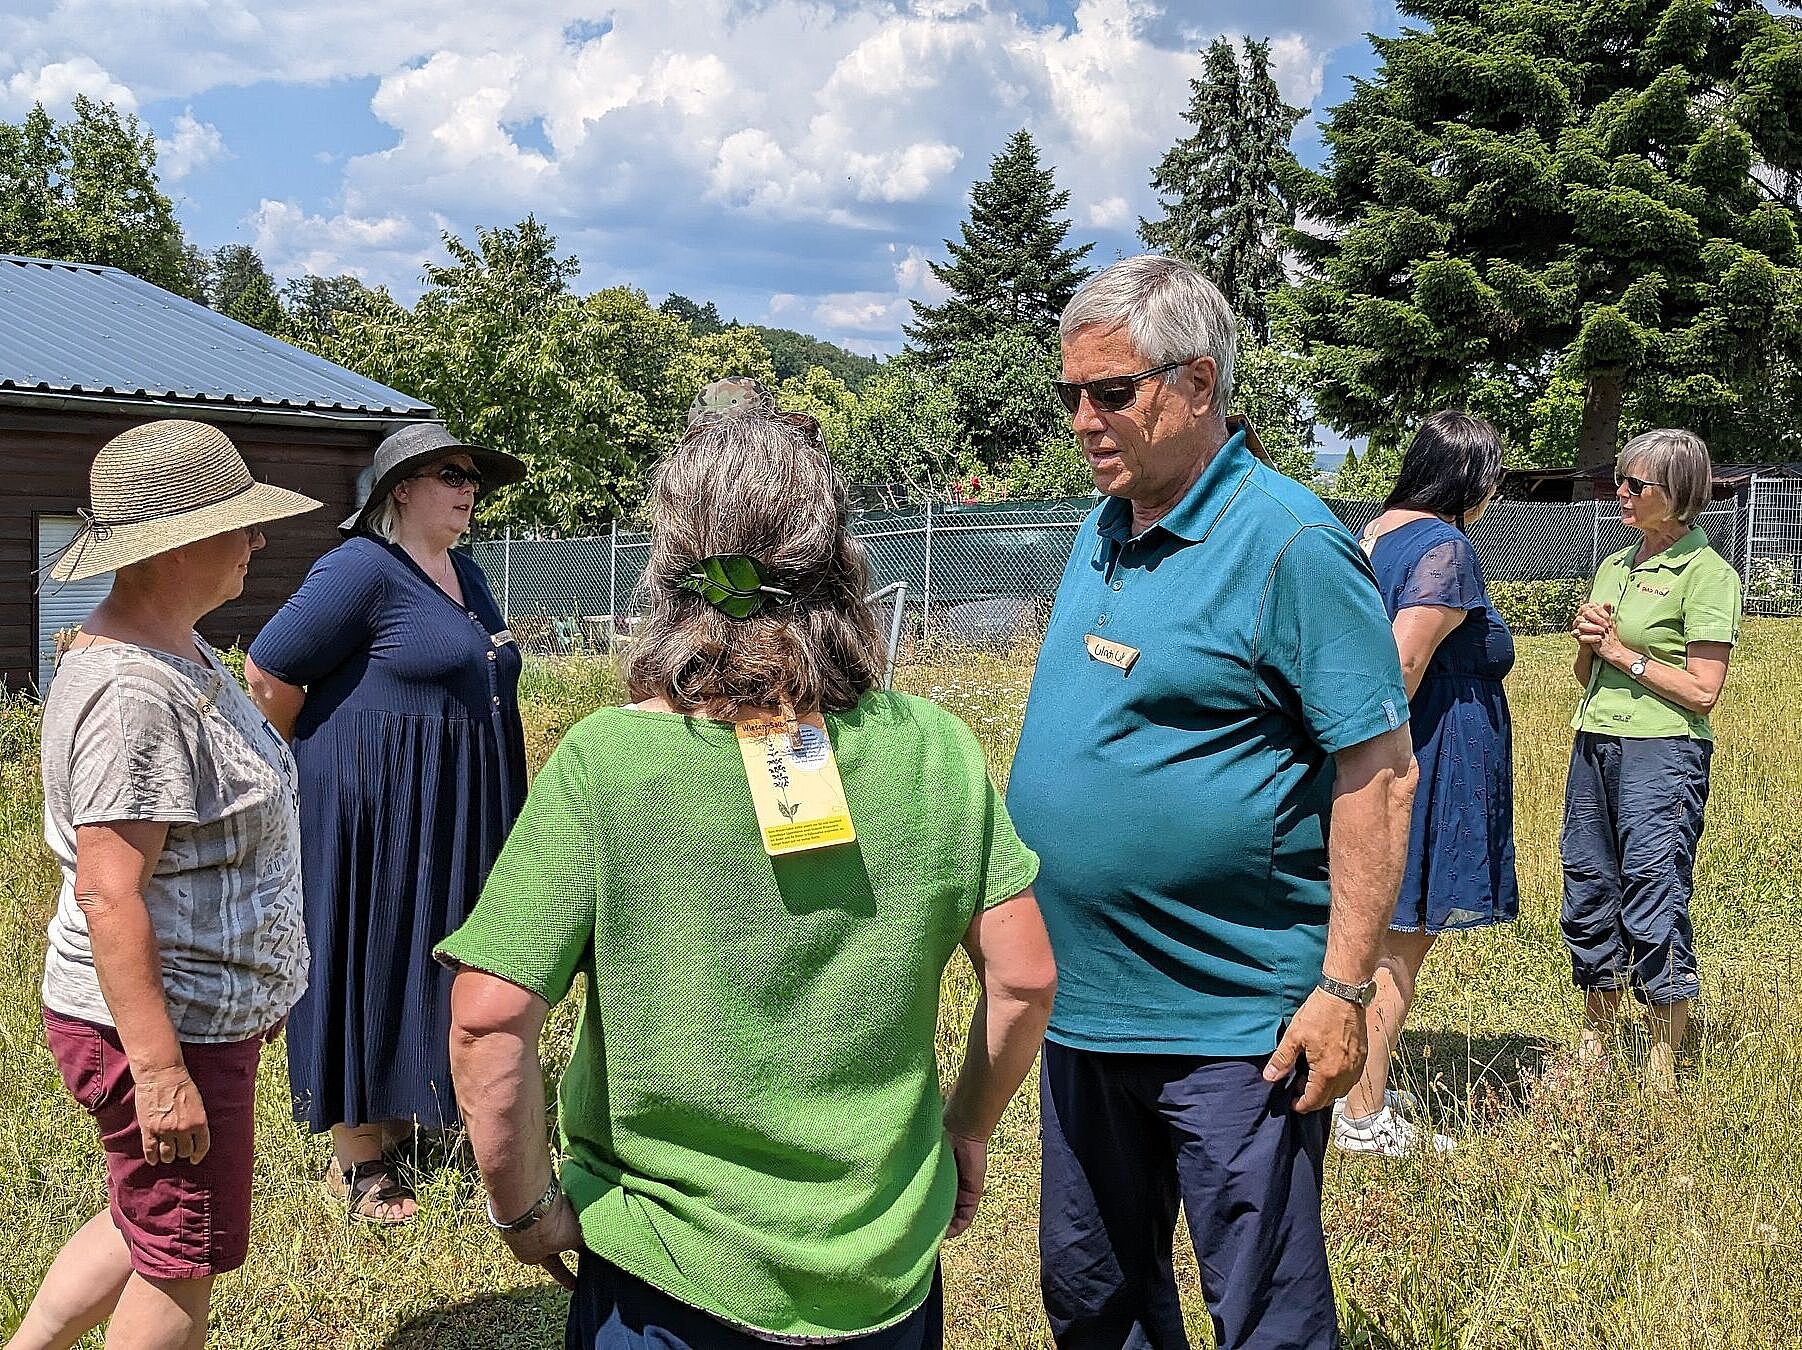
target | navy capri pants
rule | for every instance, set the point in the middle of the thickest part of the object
(1633, 811)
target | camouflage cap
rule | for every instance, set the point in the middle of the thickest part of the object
(736, 393)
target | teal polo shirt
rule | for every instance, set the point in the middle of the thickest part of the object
(1175, 775)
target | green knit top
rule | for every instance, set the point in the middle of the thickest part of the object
(751, 1116)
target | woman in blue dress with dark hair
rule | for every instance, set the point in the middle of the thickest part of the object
(392, 671)
(1455, 652)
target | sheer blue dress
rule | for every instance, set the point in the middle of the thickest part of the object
(412, 771)
(1460, 871)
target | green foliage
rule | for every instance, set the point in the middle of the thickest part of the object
(240, 287)
(794, 354)
(1368, 477)
(1012, 269)
(1538, 606)
(824, 397)
(1221, 186)
(586, 391)
(701, 319)
(1000, 385)
(1270, 389)
(1055, 469)
(85, 190)
(313, 304)
(1563, 189)
(903, 428)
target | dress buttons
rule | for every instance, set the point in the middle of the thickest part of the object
(1117, 585)
(497, 700)
(1101, 622)
(491, 656)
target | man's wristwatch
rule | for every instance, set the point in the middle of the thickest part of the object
(1638, 669)
(1360, 994)
(546, 1203)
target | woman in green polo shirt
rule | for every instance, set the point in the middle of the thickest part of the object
(754, 1145)
(1654, 641)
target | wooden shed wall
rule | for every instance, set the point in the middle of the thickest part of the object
(44, 459)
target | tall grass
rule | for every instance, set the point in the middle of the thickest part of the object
(1578, 1211)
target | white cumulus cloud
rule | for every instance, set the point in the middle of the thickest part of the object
(192, 145)
(55, 85)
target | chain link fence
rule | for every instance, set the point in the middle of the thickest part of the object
(985, 573)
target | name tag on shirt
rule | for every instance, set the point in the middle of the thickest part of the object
(502, 638)
(1112, 653)
(795, 786)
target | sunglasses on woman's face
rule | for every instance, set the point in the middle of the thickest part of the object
(1115, 393)
(452, 476)
(1635, 486)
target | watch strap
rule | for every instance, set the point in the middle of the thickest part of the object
(544, 1205)
(1360, 994)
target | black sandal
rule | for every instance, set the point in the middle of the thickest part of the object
(365, 1188)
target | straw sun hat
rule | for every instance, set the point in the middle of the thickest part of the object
(162, 485)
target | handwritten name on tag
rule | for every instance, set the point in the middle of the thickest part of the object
(1112, 653)
(502, 638)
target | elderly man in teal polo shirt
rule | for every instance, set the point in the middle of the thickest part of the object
(1216, 775)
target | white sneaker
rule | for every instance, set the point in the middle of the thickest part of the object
(1398, 1100)
(1388, 1134)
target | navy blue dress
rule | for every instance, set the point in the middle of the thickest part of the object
(412, 771)
(1460, 871)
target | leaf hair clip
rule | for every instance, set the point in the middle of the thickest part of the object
(733, 583)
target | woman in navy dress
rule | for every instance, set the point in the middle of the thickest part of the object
(393, 673)
(1455, 652)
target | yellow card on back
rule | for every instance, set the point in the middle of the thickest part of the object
(795, 786)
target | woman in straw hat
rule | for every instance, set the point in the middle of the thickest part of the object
(177, 945)
(755, 1146)
(393, 672)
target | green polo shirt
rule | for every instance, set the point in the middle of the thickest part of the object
(1175, 774)
(1688, 593)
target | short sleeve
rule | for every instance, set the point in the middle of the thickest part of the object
(1711, 604)
(534, 925)
(1325, 647)
(1008, 866)
(1447, 575)
(327, 621)
(135, 752)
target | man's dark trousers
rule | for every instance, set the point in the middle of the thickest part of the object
(1126, 1136)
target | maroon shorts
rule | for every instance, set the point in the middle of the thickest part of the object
(180, 1220)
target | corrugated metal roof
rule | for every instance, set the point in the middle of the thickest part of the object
(74, 328)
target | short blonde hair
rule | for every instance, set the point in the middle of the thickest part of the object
(384, 521)
(1676, 460)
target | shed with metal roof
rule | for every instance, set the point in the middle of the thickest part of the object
(87, 351)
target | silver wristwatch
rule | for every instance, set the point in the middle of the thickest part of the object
(1360, 994)
(546, 1203)
(1638, 669)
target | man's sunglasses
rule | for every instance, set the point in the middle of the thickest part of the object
(1635, 486)
(452, 476)
(1112, 394)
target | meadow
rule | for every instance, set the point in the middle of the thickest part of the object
(1578, 1212)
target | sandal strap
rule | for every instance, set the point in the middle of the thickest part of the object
(373, 1181)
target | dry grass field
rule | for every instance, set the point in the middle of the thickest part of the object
(1578, 1212)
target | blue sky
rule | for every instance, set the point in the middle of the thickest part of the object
(797, 163)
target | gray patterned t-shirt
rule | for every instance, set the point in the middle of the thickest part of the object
(135, 734)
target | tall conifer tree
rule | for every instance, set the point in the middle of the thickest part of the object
(1581, 188)
(1221, 186)
(1013, 269)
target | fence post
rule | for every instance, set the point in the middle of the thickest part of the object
(926, 587)
(507, 573)
(613, 576)
(1751, 526)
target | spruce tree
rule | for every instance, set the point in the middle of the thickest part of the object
(1012, 269)
(1574, 189)
(1221, 186)
(240, 287)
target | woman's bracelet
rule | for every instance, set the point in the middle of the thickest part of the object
(544, 1206)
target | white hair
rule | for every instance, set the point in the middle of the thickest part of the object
(1171, 313)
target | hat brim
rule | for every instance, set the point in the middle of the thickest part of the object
(96, 550)
(497, 467)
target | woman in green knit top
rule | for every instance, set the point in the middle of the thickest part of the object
(754, 1145)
